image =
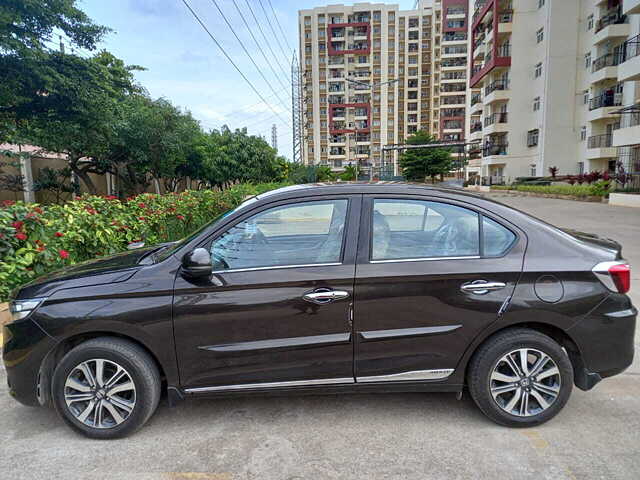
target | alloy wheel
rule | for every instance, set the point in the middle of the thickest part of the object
(100, 393)
(525, 382)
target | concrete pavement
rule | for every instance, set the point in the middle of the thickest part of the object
(390, 436)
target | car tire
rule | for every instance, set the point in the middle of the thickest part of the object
(106, 388)
(516, 397)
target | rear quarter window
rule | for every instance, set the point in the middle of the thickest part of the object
(496, 238)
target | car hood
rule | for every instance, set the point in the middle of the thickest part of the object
(592, 240)
(111, 269)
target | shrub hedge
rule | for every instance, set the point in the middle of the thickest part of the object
(600, 189)
(36, 239)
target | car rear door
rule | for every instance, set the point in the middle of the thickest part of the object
(277, 310)
(431, 275)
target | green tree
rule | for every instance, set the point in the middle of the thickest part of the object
(230, 157)
(151, 138)
(418, 164)
(350, 173)
(29, 81)
(79, 120)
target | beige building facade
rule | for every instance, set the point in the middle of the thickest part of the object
(373, 75)
(548, 80)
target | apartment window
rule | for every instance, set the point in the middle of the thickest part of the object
(533, 137)
(536, 104)
(540, 35)
(376, 123)
(538, 70)
(585, 97)
(583, 133)
(307, 20)
(590, 22)
(587, 60)
(580, 167)
(540, 3)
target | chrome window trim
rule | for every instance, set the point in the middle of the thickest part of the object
(277, 267)
(426, 259)
(437, 374)
(292, 383)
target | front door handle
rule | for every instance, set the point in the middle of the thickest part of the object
(481, 287)
(325, 295)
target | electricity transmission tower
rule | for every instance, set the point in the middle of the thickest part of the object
(274, 137)
(296, 108)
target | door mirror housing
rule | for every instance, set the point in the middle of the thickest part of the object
(197, 263)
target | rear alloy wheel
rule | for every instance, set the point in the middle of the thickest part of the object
(520, 378)
(106, 387)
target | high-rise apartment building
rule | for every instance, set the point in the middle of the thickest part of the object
(548, 83)
(373, 74)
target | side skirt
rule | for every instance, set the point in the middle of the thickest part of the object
(415, 381)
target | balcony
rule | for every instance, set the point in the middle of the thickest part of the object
(451, 37)
(495, 123)
(629, 67)
(630, 7)
(498, 117)
(501, 59)
(605, 67)
(629, 131)
(610, 26)
(603, 106)
(475, 127)
(496, 91)
(492, 149)
(600, 146)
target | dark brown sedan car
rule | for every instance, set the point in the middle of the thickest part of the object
(327, 289)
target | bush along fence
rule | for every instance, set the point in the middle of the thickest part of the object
(37, 239)
(593, 192)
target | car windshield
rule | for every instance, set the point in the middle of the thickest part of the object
(174, 247)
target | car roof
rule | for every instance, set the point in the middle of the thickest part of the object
(360, 187)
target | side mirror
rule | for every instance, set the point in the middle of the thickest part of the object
(197, 263)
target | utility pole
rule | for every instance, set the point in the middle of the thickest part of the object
(274, 137)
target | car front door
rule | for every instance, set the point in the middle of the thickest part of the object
(431, 274)
(277, 309)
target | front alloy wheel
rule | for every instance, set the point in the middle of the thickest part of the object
(100, 393)
(106, 387)
(520, 377)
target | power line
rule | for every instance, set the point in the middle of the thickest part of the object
(280, 26)
(247, 108)
(246, 24)
(247, 52)
(272, 29)
(230, 59)
(266, 41)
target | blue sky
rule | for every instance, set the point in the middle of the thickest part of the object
(185, 66)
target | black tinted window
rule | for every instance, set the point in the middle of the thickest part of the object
(297, 234)
(497, 239)
(405, 229)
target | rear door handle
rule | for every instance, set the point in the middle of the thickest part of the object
(325, 295)
(481, 287)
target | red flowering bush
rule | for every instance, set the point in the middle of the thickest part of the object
(38, 239)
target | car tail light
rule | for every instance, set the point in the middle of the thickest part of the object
(616, 276)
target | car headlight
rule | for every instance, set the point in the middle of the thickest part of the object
(22, 308)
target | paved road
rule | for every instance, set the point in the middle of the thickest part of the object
(392, 436)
